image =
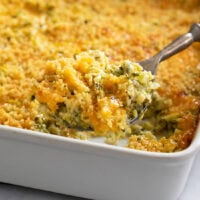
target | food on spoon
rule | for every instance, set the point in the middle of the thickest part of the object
(95, 95)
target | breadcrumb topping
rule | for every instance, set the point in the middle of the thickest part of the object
(44, 48)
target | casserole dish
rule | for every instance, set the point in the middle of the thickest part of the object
(36, 38)
(92, 170)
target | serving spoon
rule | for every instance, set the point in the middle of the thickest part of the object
(151, 64)
(179, 44)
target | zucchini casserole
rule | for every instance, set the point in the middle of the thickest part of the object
(69, 68)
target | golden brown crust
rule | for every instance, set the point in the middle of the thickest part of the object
(33, 32)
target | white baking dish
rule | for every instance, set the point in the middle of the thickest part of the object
(92, 170)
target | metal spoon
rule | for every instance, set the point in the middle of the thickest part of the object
(151, 64)
(179, 44)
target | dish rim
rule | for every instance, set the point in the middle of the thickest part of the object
(191, 150)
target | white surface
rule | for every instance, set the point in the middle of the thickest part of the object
(91, 170)
(11, 192)
(192, 189)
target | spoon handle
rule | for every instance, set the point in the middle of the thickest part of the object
(180, 43)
